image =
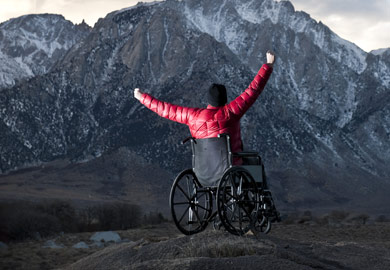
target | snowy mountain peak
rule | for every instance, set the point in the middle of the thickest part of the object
(379, 51)
(224, 19)
(145, 4)
(31, 44)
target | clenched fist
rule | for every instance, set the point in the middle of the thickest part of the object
(137, 93)
(270, 57)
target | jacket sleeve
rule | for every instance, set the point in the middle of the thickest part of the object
(244, 101)
(167, 110)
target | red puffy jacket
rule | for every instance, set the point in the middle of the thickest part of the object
(209, 122)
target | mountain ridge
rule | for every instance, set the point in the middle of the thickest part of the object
(31, 44)
(311, 122)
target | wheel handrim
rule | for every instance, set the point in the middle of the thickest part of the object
(190, 208)
(237, 200)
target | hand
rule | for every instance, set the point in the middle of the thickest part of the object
(270, 57)
(137, 93)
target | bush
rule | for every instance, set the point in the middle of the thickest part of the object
(358, 219)
(154, 218)
(381, 218)
(338, 215)
(87, 220)
(19, 221)
(31, 224)
(63, 211)
(23, 220)
(290, 218)
(118, 216)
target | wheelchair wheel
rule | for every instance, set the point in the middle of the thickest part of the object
(262, 225)
(191, 206)
(267, 213)
(237, 200)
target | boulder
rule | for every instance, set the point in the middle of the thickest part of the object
(108, 236)
(80, 245)
(52, 244)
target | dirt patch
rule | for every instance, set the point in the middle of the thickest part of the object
(293, 246)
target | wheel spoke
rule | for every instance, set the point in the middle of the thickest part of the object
(239, 218)
(201, 194)
(191, 186)
(229, 204)
(204, 208)
(184, 193)
(180, 203)
(246, 212)
(230, 195)
(197, 216)
(184, 214)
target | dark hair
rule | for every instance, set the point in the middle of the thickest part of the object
(217, 95)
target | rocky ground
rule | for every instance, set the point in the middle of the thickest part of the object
(288, 246)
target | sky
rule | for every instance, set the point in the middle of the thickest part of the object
(363, 22)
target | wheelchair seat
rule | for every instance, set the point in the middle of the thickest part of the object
(210, 158)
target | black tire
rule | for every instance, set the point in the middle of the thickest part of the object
(266, 214)
(191, 206)
(262, 225)
(237, 200)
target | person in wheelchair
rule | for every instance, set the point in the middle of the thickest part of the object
(216, 139)
(219, 117)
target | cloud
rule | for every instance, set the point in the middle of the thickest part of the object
(74, 10)
(39, 4)
(367, 9)
(89, 10)
(366, 23)
(9, 10)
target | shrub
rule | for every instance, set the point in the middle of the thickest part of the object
(28, 224)
(118, 216)
(63, 211)
(24, 220)
(381, 218)
(87, 219)
(338, 215)
(358, 219)
(154, 218)
(290, 218)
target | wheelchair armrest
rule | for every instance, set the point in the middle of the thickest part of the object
(224, 135)
(246, 154)
(187, 139)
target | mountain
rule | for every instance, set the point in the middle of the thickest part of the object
(31, 44)
(322, 124)
(116, 176)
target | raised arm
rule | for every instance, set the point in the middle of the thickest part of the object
(244, 101)
(164, 109)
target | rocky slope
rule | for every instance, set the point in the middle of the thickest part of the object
(31, 44)
(294, 246)
(288, 248)
(322, 123)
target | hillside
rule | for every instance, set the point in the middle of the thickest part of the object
(322, 124)
(289, 246)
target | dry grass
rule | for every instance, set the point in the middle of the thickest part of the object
(31, 255)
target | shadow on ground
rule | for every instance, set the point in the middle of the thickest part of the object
(288, 247)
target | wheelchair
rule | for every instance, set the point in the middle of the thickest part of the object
(239, 193)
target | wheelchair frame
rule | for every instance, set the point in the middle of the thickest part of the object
(243, 203)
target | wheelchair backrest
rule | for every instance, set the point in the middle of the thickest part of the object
(210, 158)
